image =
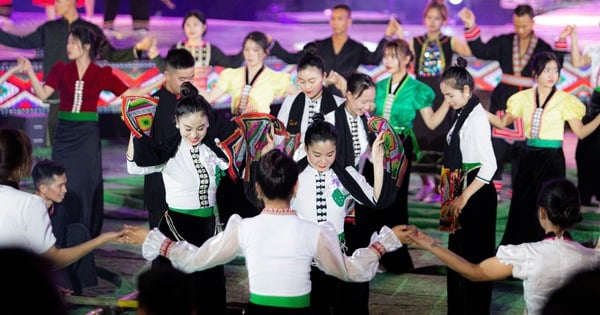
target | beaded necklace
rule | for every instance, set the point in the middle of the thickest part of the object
(283, 211)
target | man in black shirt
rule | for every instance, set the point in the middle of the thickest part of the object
(340, 53)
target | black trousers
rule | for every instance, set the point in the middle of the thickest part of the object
(475, 241)
(140, 12)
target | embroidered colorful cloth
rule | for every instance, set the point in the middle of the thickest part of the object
(394, 158)
(138, 114)
(451, 186)
(247, 142)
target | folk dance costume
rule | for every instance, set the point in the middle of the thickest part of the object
(542, 275)
(516, 76)
(206, 56)
(328, 197)
(470, 154)
(352, 143)
(253, 94)
(268, 241)
(399, 105)
(77, 139)
(191, 175)
(297, 110)
(433, 57)
(588, 148)
(542, 159)
(52, 37)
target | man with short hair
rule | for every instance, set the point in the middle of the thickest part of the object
(340, 53)
(50, 183)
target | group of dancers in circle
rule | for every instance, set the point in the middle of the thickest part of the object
(326, 179)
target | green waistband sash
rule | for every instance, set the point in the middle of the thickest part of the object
(467, 167)
(547, 144)
(410, 133)
(202, 212)
(81, 116)
(281, 301)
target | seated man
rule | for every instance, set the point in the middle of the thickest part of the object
(50, 183)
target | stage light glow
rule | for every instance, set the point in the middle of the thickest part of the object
(455, 2)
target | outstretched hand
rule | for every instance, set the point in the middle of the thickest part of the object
(405, 233)
(422, 240)
(135, 235)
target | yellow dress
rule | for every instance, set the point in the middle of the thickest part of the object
(268, 86)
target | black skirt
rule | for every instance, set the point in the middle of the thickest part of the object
(536, 165)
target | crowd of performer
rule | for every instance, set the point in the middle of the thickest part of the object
(326, 176)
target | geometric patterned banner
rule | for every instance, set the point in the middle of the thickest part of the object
(16, 94)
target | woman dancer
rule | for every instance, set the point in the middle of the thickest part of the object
(297, 110)
(398, 99)
(191, 171)
(434, 52)
(469, 201)
(205, 53)
(255, 86)
(544, 110)
(77, 140)
(279, 247)
(544, 265)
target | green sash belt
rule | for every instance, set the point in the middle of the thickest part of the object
(547, 144)
(281, 301)
(81, 116)
(202, 212)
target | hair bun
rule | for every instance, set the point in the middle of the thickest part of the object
(188, 89)
(318, 117)
(311, 48)
(461, 62)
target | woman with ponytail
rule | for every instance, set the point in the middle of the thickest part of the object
(543, 266)
(297, 110)
(191, 171)
(76, 142)
(468, 197)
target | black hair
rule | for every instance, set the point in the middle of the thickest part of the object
(43, 172)
(540, 60)
(98, 44)
(319, 130)
(197, 14)
(25, 271)
(560, 198)
(457, 76)
(276, 175)
(191, 102)
(180, 58)
(358, 83)
(164, 290)
(400, 48)
(259, 38)
(311, 58)
(342, 6)
(524, 9)
(15, 156)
